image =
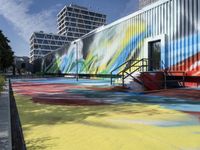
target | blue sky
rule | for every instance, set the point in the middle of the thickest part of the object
(20, 18)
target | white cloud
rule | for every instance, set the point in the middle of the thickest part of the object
(17, 12)
(130, 7)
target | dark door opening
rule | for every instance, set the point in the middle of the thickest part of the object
(154, 53)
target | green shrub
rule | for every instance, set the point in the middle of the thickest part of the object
(2, 82)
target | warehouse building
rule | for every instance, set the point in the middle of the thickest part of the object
(166, 34)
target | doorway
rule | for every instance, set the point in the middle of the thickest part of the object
(154, 55)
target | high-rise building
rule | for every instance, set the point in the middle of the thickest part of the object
(75, 21)
(143, 3)
(42, 43)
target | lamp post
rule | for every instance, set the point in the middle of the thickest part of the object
(76, 60)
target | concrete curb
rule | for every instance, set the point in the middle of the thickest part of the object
(5, 120)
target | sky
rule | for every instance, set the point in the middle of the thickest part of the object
(20, 18)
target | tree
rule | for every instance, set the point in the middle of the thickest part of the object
(6, 53)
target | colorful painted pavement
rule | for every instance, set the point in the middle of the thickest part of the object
(90, 114)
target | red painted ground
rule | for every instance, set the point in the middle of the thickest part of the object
(59, 94)
(66, 94)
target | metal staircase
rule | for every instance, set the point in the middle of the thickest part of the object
(129, 68)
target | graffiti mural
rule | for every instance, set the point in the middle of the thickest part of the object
(116, 42)
(106, 48)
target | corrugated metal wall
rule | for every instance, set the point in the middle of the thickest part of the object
(102, 51)
(180, 21)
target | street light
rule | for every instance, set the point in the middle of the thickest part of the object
(75, 42)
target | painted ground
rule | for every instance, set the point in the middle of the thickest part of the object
(62, 114)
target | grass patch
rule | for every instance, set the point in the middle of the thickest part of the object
(2, 82)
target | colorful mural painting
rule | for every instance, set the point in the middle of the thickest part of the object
(90, 114)
(106, 48)
(91, 58)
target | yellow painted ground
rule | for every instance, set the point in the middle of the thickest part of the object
(114, 127)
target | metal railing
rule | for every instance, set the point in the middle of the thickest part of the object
(125, 63)
(131, 66)
(33, 76)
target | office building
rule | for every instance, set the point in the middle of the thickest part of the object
(43, 43)
(75, 21)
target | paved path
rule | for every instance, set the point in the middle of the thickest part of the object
(5, 133)
(183, 93)
(129, 121)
